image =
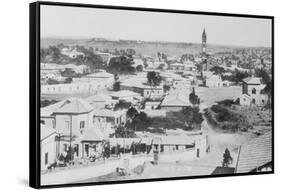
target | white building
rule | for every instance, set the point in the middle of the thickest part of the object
(48, 146)
(71, 118)
(126, 95)
(102, 79)
(100, 101)
(88, 84)
(72, 53)
(146, 91)
(252, 92)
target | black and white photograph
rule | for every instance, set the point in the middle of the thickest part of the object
(132, 95)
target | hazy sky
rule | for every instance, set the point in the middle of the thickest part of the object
(59, 21)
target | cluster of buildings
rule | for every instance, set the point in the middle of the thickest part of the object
(86, 84)
(82, 126)
(85, 126)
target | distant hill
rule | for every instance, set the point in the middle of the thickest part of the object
(141, 47)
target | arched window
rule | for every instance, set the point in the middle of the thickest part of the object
(254, 91)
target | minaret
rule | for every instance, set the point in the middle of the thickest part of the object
(204, 51)
(204, 42)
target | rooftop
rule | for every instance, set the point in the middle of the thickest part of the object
(252, 80)
(255, 153)
(177, 98)
(71, 106)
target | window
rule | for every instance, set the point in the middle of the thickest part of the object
(254, 101)
(67, 125)
(177, 147)
(82, 124)
(65, 147)
(42, 121)
(46, 158)
(254, 91)
(87, 149)
(76, 148)
(161, 148)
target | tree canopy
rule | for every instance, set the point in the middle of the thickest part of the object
(193, 98)
(153, 78)
(121, 64)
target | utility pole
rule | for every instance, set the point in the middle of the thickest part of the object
(70, 139)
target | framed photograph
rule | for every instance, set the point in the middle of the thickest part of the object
(126, 94)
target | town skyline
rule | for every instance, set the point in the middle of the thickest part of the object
(226, 31)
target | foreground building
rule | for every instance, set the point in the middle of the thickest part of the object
(256, 155)
(48, 146)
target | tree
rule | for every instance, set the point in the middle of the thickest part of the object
(68, 80)
(153, 78)
(161, 66)
(68, 72)
(121, 64)
(52, 81)
(139, 68)
(262, 73)
(55, 52)
(193, 98)
(132, 112)
(140, 122)
(116, 86)
(217, 70)
(227, 159)
(122, 104)
(43, 54)
(166, 87)
(123, 132)
(193, 117)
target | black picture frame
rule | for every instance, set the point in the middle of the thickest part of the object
(34, 83)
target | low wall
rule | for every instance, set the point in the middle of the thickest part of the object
(99, 169)
(177, 156)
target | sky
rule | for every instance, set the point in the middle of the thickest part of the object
(76, 22)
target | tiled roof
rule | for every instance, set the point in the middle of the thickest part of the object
(74, 106)
(252, 80)
(255, 153)
(180, 98)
